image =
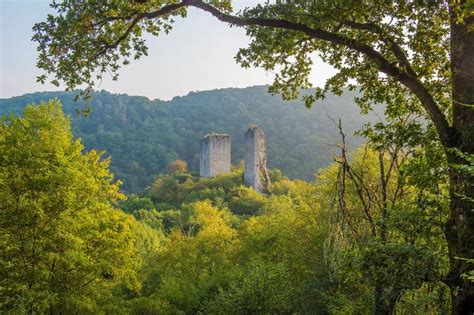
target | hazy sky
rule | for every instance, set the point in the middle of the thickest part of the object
(197, 55)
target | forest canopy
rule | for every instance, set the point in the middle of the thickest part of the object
(70, 242)
(391, 224)
(413, 56)
(143, 136)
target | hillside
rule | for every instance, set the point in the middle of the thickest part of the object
(143, 135)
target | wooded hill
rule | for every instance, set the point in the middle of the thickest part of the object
(143, 135)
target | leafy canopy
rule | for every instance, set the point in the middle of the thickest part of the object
(389, 48)
(63, 246)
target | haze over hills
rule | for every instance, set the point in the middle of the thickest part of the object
(144, 135)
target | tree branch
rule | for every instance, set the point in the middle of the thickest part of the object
(407, 78)
(445, 131)
(141, 16)
(397, 50)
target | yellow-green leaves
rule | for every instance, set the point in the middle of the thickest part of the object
(62, 244)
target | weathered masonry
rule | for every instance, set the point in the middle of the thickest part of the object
(255, 155)
(215, 155)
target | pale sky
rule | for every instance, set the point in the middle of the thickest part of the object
(197, 55)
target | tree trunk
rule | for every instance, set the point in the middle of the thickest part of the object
(460, 225)
(385, 305)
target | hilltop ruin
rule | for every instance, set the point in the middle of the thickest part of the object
(255, 155)
(215, 155)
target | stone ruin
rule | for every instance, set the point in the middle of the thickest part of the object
(255, 155)
(215, 155)
(215, 158)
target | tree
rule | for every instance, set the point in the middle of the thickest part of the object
(411, 55)
(261, 288)
(177, 166)
(63, 247)
(195, 259)
(383, 222)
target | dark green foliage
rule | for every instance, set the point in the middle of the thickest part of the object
(133, 204)
(143, 136)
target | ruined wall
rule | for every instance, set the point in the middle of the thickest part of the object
(215, 155)
(255, 155)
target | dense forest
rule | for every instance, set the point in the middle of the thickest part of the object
(369, 196)
(143, 136)
(72, 243)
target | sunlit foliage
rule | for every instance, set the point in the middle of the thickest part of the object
(63, 247)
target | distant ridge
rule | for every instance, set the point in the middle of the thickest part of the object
(144, 135)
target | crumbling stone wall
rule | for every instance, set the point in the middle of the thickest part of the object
(215, 155)
(255, 155)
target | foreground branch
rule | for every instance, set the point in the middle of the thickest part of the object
(406, 76)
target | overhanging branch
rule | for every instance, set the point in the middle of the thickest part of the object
(406, 77)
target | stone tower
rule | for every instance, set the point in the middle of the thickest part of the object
(215, 155)
(255, 155)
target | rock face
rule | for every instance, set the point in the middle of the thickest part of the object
(255, 154)
(215, 155)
